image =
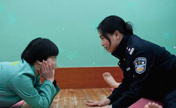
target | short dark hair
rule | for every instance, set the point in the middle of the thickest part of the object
(112, 23)
(39, 49)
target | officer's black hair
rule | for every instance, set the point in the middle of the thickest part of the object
(112, 23)
(39, 49)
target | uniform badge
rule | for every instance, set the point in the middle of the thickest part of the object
(140, 64)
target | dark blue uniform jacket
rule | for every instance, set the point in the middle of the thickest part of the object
(148, 69)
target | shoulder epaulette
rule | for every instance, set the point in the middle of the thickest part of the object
(130, 50)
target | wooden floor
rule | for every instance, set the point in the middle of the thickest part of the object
(76, 98)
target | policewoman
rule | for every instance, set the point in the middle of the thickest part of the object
(148, 69)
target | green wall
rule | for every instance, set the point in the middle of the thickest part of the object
(71, 24)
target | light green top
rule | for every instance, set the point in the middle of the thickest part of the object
(18, 82)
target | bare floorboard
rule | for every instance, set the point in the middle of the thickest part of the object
(76, 98)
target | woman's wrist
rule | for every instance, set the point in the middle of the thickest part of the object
(52, 80)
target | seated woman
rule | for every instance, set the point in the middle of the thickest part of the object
(21, 80)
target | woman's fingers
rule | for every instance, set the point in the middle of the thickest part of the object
(43, 66)
(46, 71)
(46, 66)
(50, 68)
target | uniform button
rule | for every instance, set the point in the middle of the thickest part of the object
(127, 69)
(123, 59)
(133, 76)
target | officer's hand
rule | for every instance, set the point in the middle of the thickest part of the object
(107, 106)
(46, 71)
(93, 103)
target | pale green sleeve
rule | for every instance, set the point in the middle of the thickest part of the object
(38, 83)
(23, 86)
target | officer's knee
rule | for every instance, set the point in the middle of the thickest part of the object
(170, 100)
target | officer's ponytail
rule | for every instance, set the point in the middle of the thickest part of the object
(129, 28)
(112, 23)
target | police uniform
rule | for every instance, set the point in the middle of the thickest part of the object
(148, 70)
(18, 81)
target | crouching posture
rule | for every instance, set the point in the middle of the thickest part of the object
(20, 80)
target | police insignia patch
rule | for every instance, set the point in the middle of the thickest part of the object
(140, 64)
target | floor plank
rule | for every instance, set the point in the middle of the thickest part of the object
(81, 97)
(76, 98)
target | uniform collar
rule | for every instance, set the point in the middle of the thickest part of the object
(121, 49)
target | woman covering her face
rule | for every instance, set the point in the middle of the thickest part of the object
(20, 80)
